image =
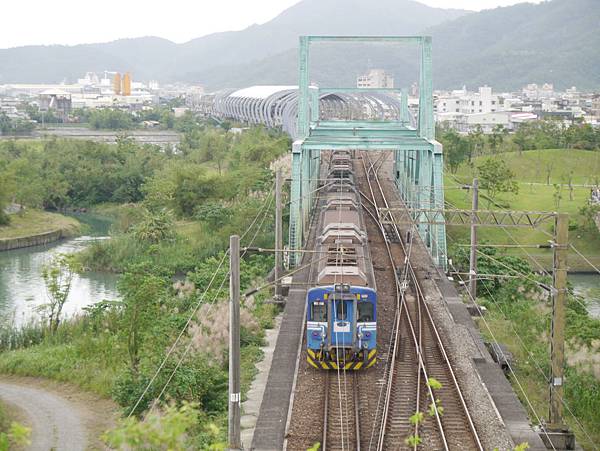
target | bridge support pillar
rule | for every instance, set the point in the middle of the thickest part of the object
(305, 179)
(295, 239)
(419, 179)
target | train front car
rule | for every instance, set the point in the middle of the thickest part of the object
(341, 330)
(341, 327)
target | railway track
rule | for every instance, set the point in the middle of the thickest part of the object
(418, 376)
(341, 413)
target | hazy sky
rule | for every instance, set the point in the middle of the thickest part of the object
(27, 22)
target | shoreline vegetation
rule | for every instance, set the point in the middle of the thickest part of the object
(35, 227)
(172, 214)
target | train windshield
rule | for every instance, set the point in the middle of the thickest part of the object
(319, 312)
(365, 312)
(341, 309)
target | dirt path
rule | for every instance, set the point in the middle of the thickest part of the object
(61, 417)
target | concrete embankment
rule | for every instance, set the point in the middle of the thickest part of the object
(7, 244)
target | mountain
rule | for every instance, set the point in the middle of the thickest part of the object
(555, 41)
(151, 57)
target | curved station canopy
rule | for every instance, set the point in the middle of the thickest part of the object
(277, 106)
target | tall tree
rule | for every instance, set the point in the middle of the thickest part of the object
(496, 177)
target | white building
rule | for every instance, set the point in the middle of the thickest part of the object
(533, 91)
(464, 102)
(465, 123)
(376, 78)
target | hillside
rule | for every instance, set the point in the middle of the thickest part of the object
(152, 57)
(555, 41)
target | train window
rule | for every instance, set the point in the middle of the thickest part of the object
(319, 312)
(365, 312)
(341, 310)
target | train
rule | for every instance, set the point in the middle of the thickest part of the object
(341, 310)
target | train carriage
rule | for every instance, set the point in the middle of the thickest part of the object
(341, 330)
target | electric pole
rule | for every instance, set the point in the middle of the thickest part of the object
(558, 320)
(473, 255)
(234, 344)
(278, 234)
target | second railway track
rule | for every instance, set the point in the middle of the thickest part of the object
(419, 376)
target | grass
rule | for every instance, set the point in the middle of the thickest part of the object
(535, 195)
(91, 361)
(35, 222)
(532, 386)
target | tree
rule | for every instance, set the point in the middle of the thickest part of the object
(496, 138)
(477, 142)
(496, 177)
(557, 195)
(456, 150)
(155, 226)
(58, 276)
(168, 430)
(141, 292)
(4, 218)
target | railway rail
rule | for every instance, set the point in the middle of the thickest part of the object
(341, 413)
(415, 355)
(372, 409)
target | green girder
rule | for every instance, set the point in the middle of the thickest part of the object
(418, 158)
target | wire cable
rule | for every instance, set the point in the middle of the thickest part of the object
(191, 316)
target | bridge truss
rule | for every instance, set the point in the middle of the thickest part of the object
(418, 161)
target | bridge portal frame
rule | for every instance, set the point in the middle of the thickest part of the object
(418, 157)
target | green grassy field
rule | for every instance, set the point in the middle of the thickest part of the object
(535, 195)
(34, 222)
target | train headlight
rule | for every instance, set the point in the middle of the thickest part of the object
(367, 334)
(316, 334)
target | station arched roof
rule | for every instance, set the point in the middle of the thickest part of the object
(277, 106)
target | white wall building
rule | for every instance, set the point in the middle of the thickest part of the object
(533, 91)
(376, 78)
(464, 102)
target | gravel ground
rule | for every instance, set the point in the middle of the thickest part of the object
(61, 417)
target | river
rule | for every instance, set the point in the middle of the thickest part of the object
(588, 287)
(22, 288)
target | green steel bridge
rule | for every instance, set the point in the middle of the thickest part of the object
(310, 114)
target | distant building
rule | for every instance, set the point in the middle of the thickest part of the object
(466, 123)
(533, 91)
(58, 101)
(464, 102)
(376, 78)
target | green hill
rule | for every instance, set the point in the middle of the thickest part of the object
(554, 41)
(535, 195)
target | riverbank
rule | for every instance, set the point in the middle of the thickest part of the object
(35, 227)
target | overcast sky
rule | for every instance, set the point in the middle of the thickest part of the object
(70, 22)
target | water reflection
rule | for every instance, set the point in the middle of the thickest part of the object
(588, 287)
(22, 288)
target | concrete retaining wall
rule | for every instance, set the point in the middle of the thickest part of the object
(7, 244)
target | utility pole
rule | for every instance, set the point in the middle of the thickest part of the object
(558, 435)
(234, 344)
(558, 320)
(473, 256)
(278, 234)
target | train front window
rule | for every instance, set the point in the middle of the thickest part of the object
(341, 310)
(365, 312)
(319, 312)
